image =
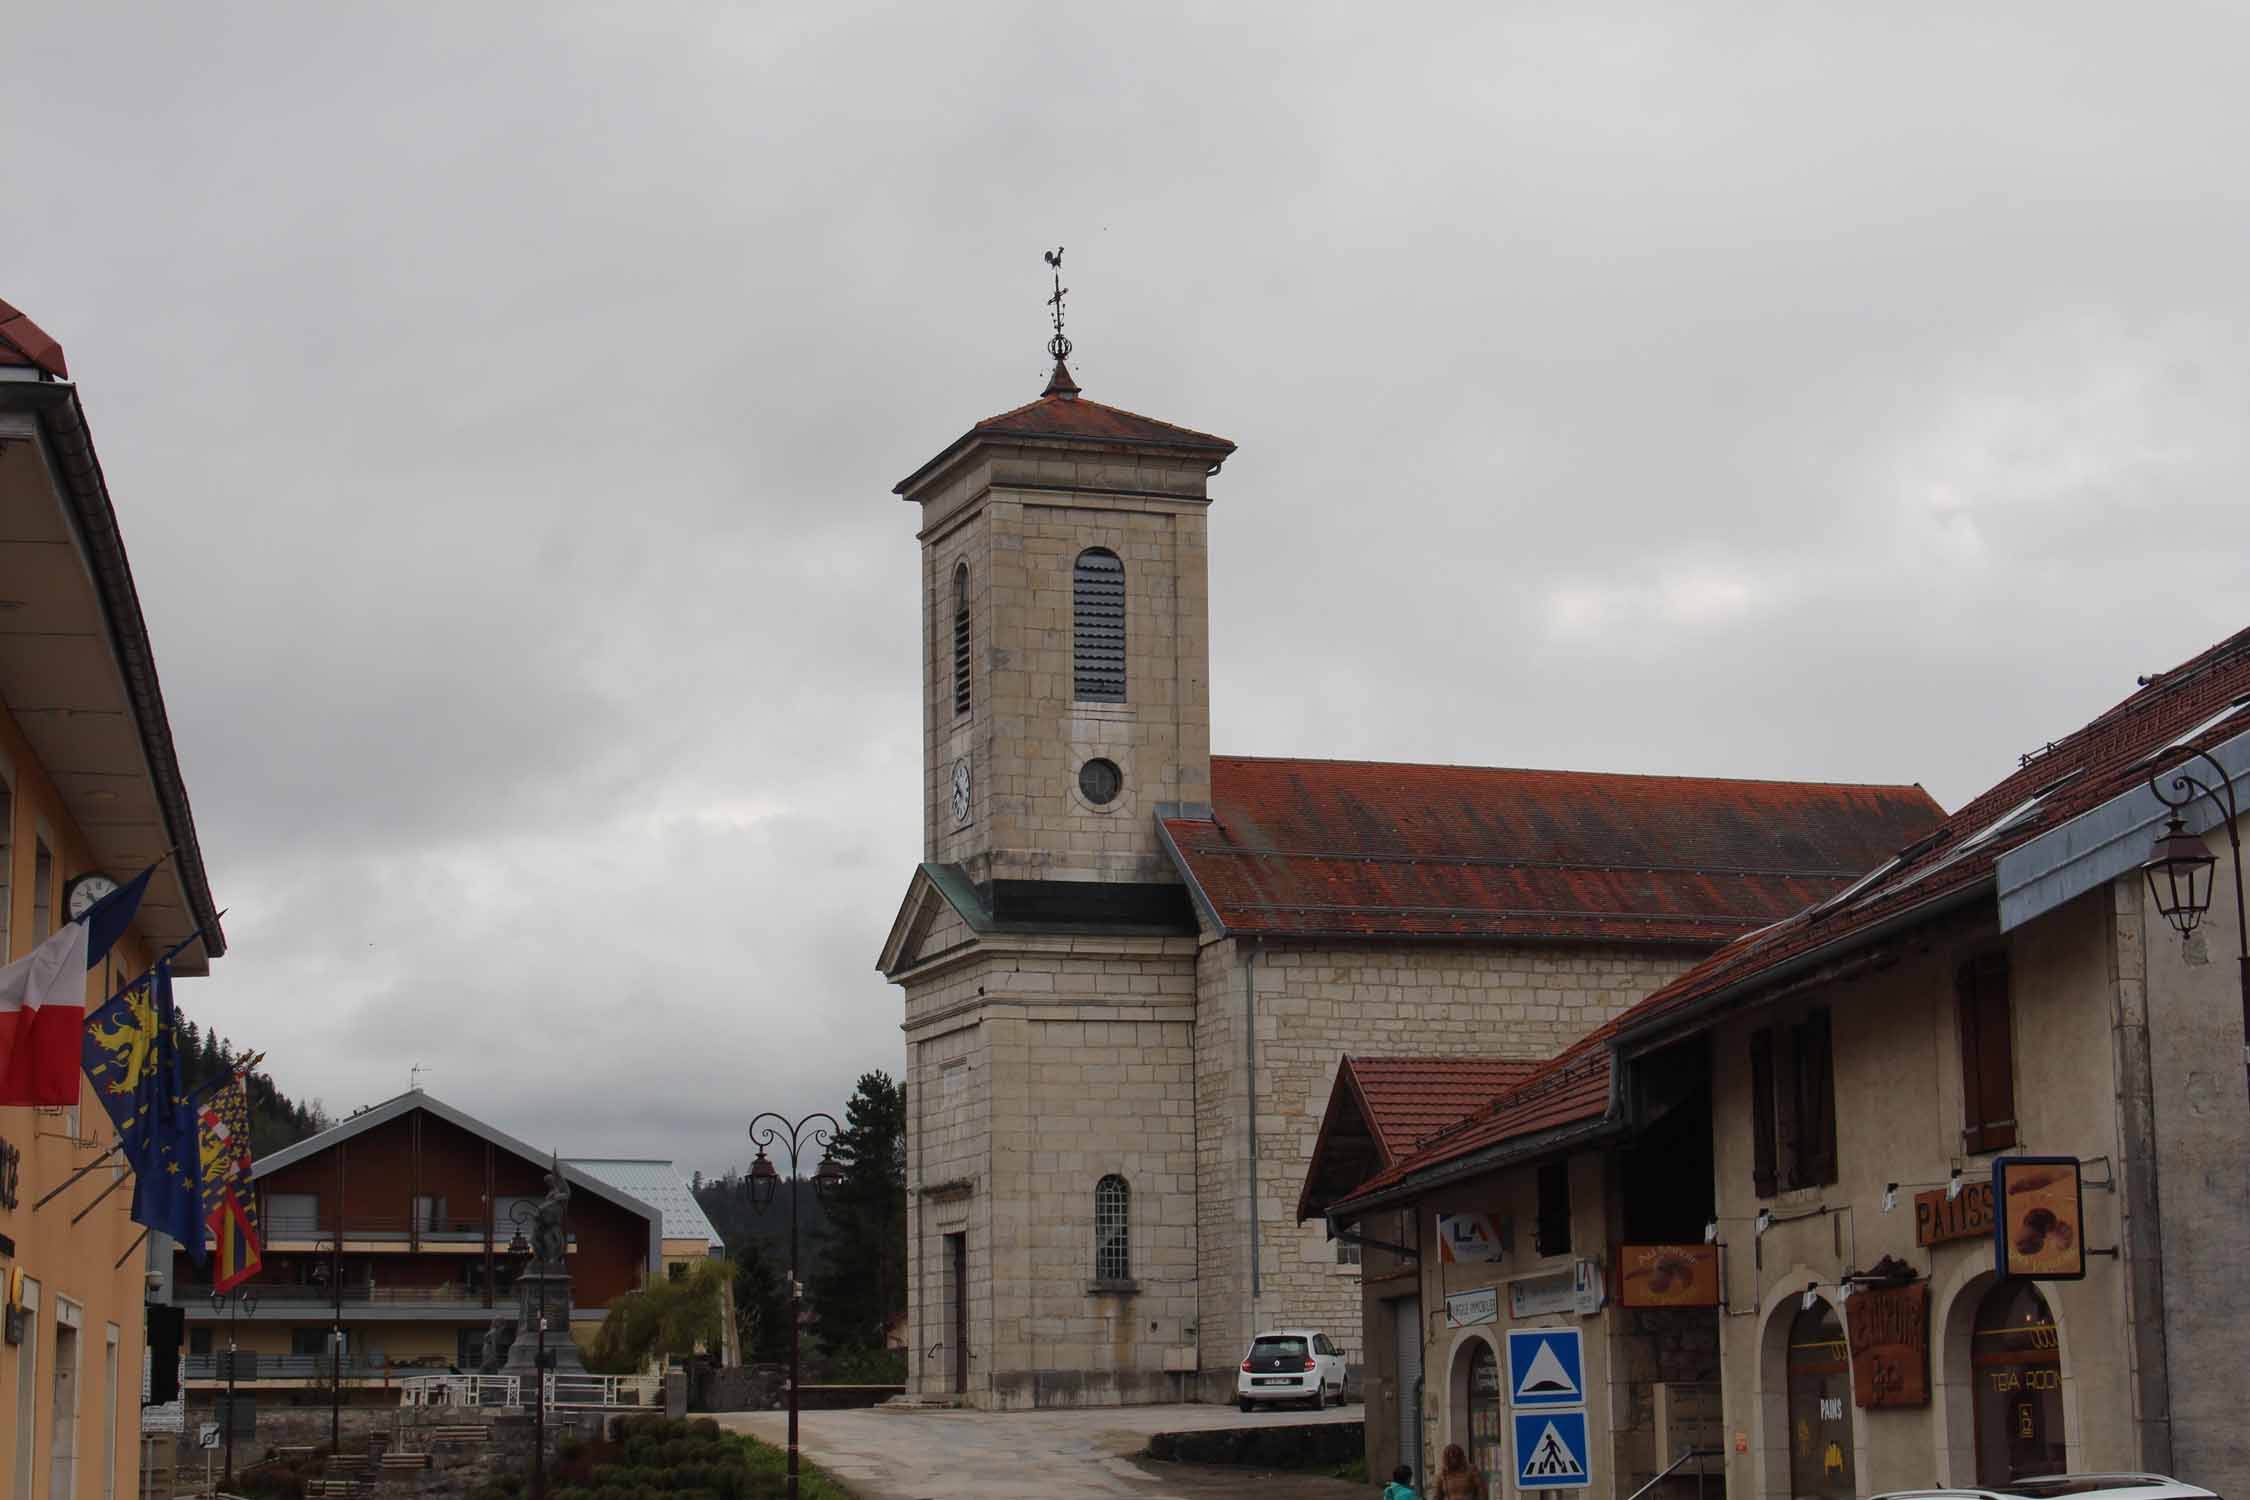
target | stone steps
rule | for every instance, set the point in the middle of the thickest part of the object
(465, 1432)
(391, 1461)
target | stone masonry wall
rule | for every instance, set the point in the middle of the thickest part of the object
(1034, 1072)
(1025, 737)
(1316, 1003)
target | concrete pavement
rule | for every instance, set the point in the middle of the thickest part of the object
(1029, 1455)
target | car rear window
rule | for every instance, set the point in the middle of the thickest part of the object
(1278, 1346)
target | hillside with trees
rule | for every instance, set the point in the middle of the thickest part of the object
(276, 1120)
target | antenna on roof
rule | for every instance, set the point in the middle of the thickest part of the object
(414, 1077)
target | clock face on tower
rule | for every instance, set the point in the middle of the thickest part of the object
(961, 790)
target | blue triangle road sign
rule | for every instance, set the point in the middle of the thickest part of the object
(1546, 1367)
(1552, 1451)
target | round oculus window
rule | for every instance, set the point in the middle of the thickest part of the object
(1100, 781)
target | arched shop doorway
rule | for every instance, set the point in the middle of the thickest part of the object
(1480, 1416)
(1820, 1404)
(2015, 1357)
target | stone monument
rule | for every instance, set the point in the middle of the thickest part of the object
(543, 1288)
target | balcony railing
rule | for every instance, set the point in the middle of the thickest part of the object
(305, 1367)
(446, 1229)
(312, 1298)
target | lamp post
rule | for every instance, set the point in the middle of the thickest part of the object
(233, 1304)
(2179, 871)
(329, 1274)
(523, 1212)
(796, 1137)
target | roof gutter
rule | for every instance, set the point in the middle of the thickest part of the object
(94, 520)
(1634, 1040)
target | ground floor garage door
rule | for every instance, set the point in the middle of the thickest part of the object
(1406, 1327)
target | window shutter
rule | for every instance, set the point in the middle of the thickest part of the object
(1816, 1081)
(1988, 1066)
(1551, 1235)
(1098, 628)
(961, 639)
(1763, 1179)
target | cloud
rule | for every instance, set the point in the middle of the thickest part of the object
(502, 411)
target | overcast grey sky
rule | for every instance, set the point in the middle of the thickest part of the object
(502, 403)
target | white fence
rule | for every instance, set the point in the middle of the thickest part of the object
(563, 1392)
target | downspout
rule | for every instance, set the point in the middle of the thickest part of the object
(2139, 1198)
(1250, 1094)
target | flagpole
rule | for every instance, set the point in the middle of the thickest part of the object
(115, 1184)
(138, 1240)
(240, 1070)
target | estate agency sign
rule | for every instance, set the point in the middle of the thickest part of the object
(1890, 1342)
(1938, 1218)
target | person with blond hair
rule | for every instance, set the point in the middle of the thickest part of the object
(1456, 1480)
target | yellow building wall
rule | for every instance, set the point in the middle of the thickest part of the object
(75, 1267)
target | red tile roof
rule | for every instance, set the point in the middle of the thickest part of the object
(2060, 781)
(23, 342)
(1343, 849)
(1061, 413)
(1381, 1107)
(1409, 1099)
(2056, 783)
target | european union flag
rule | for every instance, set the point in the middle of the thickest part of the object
(132, 1054)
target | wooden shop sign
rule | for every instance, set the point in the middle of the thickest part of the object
(1890, 1341)
(1968, 1217)
(1668, 1276)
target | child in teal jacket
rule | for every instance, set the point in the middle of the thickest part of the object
(1401, 1486)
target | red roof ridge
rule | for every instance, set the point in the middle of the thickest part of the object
(29, 344)
(1052, 398)
(1448, 765)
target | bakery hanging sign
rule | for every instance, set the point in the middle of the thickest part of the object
(2038, 1218)
(1890, 1340)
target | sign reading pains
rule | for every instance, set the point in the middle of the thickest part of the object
(1551, 1451)
(1546, 1367)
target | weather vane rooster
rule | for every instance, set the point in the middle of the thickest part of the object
(1058, 346)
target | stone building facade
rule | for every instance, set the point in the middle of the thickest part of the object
(1971, 1138)
(1130, 968)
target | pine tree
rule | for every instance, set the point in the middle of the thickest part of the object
(862, 1286)
(761, 1306)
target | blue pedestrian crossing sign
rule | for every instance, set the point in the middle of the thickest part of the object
(1545, 1368)
(1551, 1451)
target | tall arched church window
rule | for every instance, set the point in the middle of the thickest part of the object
(1098, 627)
(1113, 1230)
(961, 639)
(1820, 1404)
(2016, 1360)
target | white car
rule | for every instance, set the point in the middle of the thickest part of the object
(1290, 1364)
(2068, 1487)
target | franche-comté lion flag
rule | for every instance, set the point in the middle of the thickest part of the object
(228, 1207)
(132, 1055)
(43, 1000)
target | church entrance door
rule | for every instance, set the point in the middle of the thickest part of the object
(957, 1280)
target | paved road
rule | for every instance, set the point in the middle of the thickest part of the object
(1031, 1455)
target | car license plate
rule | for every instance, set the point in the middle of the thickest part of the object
(1273, 1380)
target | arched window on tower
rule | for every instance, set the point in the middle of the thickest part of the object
(961, 639)
(1098, 627)
(1113, 1230)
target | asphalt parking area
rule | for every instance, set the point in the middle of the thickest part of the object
(1033, 1455)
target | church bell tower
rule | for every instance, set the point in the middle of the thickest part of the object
(1066, 642)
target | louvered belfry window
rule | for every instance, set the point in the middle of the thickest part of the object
(1113, 1232)
(961, 639)
(1098, 627)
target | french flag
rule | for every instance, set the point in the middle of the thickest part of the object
(43, 1001)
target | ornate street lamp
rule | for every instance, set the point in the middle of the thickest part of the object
(764, 1180)
(232, 1305)
(2179, 871)
(329, 1276)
